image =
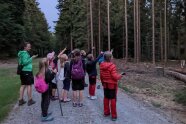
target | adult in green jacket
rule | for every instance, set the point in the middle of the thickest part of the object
(26, 76)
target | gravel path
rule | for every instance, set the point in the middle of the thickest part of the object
(129, 110)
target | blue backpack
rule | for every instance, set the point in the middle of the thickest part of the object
(77, 70)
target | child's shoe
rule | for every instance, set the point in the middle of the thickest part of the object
(80, 104)
(93, 97)
(47, 118)
(74, 104)
(114, 119)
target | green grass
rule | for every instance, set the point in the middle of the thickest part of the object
(180, 97)
(9, 88)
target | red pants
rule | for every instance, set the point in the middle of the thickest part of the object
(110, 93)
(92, 85)
(110, 103)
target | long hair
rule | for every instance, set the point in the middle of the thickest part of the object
(43, 65)
(63, 58)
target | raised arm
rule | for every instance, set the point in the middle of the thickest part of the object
(62, 52)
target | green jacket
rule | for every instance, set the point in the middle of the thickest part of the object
(25, 60)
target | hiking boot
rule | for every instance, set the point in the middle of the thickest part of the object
(21, 102)
(114, 119)
(31, 102)
(93, 97)
(47, 118)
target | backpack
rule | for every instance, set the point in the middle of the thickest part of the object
(40, 84)
(19, 69)
(77, 71)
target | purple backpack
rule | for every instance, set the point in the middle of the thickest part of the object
(77, 70)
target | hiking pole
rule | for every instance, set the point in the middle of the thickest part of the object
(58, 96)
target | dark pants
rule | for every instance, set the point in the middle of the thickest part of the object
(45, 101)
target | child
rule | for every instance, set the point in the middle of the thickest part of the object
(48, 75)
(52, 66)
(64, 76)
(92, 72)
(77, 67)
(109, 78)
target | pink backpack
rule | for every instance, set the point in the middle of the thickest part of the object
(40, 85)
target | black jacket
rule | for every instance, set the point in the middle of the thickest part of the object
(91, 66)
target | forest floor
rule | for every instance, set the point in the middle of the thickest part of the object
(145, 99)
(142, 83)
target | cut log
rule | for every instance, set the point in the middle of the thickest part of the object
(159, 71)
(177, 75)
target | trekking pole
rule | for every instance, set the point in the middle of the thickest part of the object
(58, 96)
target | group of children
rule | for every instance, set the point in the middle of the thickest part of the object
(62, 70)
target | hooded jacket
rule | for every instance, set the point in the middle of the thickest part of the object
(108, 73)
(25, 60)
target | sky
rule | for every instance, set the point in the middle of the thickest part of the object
(48, 7)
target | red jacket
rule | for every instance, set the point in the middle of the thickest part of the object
(108, 73)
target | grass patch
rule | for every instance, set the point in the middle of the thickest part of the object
(126, 89)
(180, 97)
(9, 88)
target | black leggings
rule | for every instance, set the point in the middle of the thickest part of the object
(45, 102)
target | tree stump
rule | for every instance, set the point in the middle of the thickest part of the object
(159, 71)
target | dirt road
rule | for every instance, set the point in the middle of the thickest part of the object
(129, 110)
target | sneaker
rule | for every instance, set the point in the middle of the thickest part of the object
(93, 97)
(114, 119)
(67, 100)
(31, 102)
(47, 118)
(88, 96)
(80, 104)
(74, 104)
(53, 98)
(49, 114)
(21, 102)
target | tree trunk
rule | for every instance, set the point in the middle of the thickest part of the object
(91, 26)
(177, 75)
(165, 23)
(88, 27)
(161, 35)
(135, 45)
(137, 29)
(153, 34)
(99, 39)
(126, 32)
(108, 14)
